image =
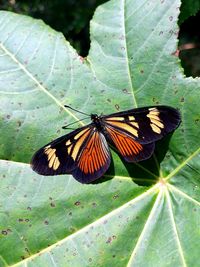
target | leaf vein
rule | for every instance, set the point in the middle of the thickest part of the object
(145, 228)
(182, 165)
(126, 52)
(175, 228)
(99, 221)
(39, 85)
(173, 188)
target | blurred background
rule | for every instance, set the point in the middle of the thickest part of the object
(72, 17)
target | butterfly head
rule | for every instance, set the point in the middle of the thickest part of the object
(95, 118)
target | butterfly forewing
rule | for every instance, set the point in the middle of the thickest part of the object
(84, 153)
(145, 125)
(59, 156)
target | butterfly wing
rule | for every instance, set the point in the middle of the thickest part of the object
(131, 150)
(134, 132)
(58, 157)
(145, 125)
(93, 160)
(84, 153)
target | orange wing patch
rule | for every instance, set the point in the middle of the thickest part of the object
(94, 155)
(124, 143)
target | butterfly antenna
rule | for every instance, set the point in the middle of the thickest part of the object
(67, 126)
(76, 110)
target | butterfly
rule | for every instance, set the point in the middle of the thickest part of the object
(84, 153)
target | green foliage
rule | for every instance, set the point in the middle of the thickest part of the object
(71, 17)
(137, 215)
(188, 8)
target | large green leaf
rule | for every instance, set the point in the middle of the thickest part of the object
(137, 215)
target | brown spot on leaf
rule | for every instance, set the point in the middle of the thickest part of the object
(110, 239)
(125, 90)
(26, 249)
(52, 204)
(117, 106)
(94, 204)
(4, 232)
(77, 203)
(19, 123)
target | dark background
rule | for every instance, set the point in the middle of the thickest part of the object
(71, 17)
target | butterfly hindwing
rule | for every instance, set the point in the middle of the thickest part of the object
(130, 150)
(94, 159)
(145, 125)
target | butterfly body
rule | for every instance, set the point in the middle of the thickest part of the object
(97, 121)
(85, 152)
